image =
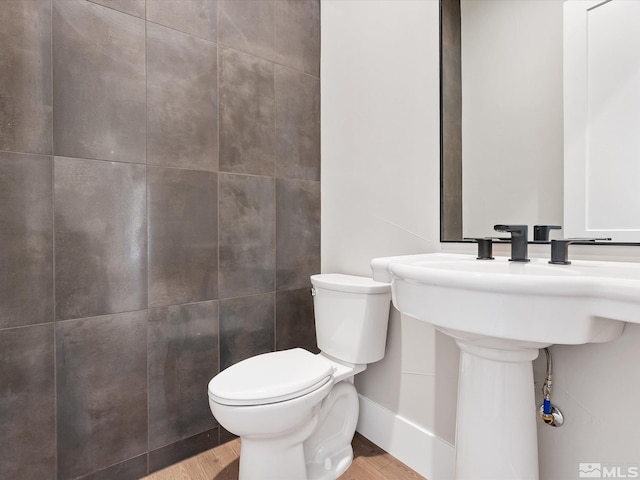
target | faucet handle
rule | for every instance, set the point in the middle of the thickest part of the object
(541, 232)
(560, 248)
(485, 246)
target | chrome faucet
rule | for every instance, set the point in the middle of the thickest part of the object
(519, 239)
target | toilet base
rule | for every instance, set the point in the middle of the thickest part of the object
(258, 458)
(273, 459)
(328, 451)
(320, 450)
(333, 467)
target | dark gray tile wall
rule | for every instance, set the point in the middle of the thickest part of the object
(297, 125)
(132, 7)
(182, 101)
(183, 351)
(131, 469)
(451, 194)
(27, 403)
(295, 325)
(183, 232)
(26, 110)
(195, 17)
(100, 237)
(250, 30)
(26, 240)
(297, 33)
(101, 377)
(247, 113)
(298, 232)
(246, 327)
(159, 220)
(170, 454)
(247, 235)
(98, 82)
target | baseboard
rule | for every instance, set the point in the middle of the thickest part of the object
(414, 446)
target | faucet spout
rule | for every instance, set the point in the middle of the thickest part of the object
(519, 239)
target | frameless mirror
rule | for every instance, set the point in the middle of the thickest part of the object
(503, 119)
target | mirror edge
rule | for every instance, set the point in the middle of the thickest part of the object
(450, 123)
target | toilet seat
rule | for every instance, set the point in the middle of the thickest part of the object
(270, 378)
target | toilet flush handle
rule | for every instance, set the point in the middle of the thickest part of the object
(313, 291)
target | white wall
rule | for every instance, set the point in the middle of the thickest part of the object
(380, 124)
(380, 196)
(380, 186)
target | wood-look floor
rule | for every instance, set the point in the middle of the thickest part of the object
(221, 463)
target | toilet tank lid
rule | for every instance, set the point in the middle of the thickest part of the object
(349, 283)
(270, 377)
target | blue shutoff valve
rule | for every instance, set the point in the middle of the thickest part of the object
(549, 414)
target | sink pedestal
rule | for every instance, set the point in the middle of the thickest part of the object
(496, 437)
(501, 313)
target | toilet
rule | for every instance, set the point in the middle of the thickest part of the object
(294, 411)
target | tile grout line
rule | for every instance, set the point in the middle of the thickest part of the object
(219, 149)
(146, 209)
(275, 189)
(53, 257)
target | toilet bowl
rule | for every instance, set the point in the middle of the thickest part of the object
(295, 411)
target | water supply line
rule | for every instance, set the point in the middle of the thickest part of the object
(550, 414)
(547, 387)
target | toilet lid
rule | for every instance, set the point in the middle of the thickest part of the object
(270, 377)
(349, 283)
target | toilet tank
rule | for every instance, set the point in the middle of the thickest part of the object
(352, 314)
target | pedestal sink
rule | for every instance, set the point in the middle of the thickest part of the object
(500, 314)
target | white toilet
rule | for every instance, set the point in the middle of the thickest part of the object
(294, 411)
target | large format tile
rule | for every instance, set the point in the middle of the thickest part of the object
(182, 101)
(132, 7)
(25, 76)
(297, 124)
(101, 381)
(183, 231)
(298, 233)
(452, 217)
(131, 469)
(197, 17)
(451, 122)
(247, 235)
(170, 454)
(295, 326)
(26, 240)
(246, 328)
(27, 404)
(183, 357)
(247, 114)
(98, 82)
(225, 435)
(100, 235)
(248, 26)
(298, 35)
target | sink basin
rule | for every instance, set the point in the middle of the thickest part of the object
(506, 304)
(501, 313)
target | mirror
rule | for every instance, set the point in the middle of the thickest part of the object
(502, 119)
